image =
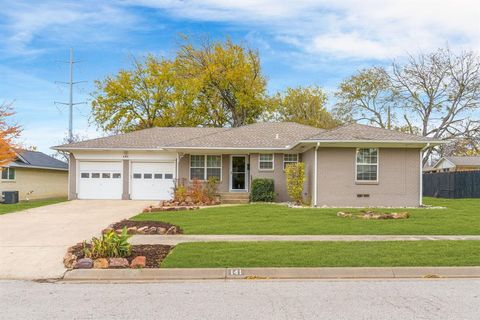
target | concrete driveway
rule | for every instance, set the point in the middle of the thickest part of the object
(34, 241)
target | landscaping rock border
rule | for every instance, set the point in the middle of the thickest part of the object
(142, 256)
(143, 227)
(374, 215)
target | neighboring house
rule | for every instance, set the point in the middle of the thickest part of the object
(450, 164)
(352, 165)
(35, 176)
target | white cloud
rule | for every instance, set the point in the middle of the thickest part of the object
(59, 22)
(369, 29)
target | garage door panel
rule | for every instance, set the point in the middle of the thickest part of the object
(152, 181)
(100, 180)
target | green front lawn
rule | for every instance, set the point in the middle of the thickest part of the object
(461, 217)
(324, 254)
(23, 205)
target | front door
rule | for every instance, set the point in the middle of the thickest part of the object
(238, 173)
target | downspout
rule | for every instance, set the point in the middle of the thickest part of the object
(421, 173)
(315, 175)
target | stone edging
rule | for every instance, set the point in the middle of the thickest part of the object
(270, 273)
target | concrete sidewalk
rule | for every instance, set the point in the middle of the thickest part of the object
(269, 273)
(176, 239)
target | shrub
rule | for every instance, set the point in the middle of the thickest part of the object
(180, 193)
(109, 245)
(196, 191)
(211, 188)
(295, 175)
(263, 190)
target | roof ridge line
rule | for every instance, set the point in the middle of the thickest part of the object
(203, 136)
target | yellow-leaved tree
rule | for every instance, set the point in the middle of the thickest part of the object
(295, 175)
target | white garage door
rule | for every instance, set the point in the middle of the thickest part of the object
(100, 180)
(152, 181)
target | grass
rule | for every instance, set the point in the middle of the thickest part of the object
(23, 205)
(324, 254)
(462, 217)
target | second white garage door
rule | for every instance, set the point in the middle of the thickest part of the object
(152, 180)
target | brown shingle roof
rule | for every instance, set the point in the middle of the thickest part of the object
(153, 138)
(281, 135)
(265, 135)
(360, 132)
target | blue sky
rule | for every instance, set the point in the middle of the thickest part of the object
(300, 43)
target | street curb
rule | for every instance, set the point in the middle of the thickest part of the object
(270, 273)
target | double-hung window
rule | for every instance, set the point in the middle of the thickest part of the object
(8, 173)
(265, 162)
(204, 167)
(367, 165)
(288, 159)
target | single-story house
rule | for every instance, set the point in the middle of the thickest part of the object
(458, 163)
(35, 175)
(352, 165)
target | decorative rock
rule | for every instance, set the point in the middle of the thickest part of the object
(138, 262)
(344, 214)
(118, 262)
(85, 263)
(152, 230)
(172, 230)
(100, 263)
(131, 230)
(142, 230)
(107, 230)
(69, 260)
(161, 230)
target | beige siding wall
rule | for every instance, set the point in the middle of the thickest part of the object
(43, 183)
(184, 168)
(398, 184)
(278, 175)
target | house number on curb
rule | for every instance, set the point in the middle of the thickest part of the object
(235, 272)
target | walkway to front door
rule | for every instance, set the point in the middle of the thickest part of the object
(238, 173)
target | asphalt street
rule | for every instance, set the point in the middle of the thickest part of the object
(244, 299)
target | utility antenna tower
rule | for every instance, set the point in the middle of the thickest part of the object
(70, 103)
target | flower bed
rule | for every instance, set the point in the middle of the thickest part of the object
(141, 256)
(144, 227)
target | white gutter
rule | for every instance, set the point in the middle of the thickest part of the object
(315, 175)
(377, 141)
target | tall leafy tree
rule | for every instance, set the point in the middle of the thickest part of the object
(441, 91)
(367, 96)
(146, 96)
(305, 105)
(435, 95)
(8, 134)
(226, 80)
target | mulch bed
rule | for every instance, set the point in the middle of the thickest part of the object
(154, 253)
(153, 227)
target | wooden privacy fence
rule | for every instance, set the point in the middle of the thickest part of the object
(462, 184)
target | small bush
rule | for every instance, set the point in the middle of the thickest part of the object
(263, 190)
(211, 188)
(295, 175)
(180, 193)
(109, 245)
